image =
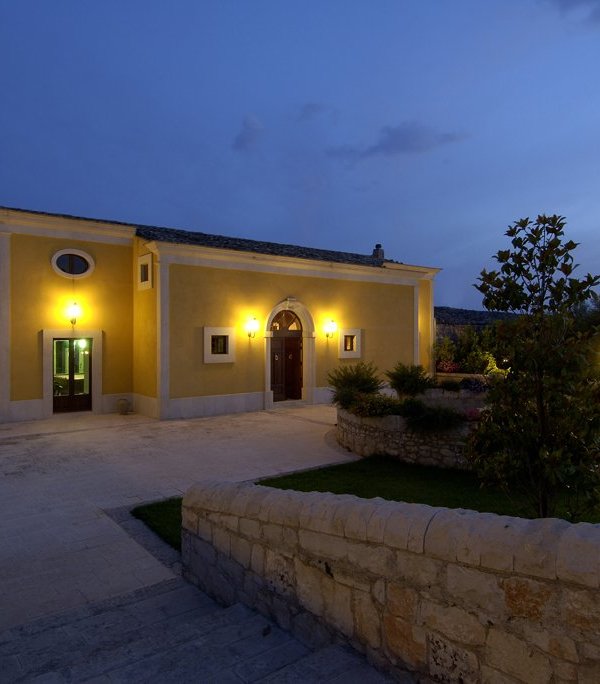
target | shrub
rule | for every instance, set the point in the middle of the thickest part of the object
(473, 385)
(352, 380)
(422, 418)
(449, 385)
(476, 361)
(375, 406)
(444, 350)
(409, 380)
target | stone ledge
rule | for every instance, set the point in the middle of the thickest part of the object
(546, 548)
(390, 436)
(432, 589)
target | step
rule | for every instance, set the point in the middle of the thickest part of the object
(335, 663)
(170, 632)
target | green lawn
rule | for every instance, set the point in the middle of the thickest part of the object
(396, 481)
(163, 518)
(367, 478)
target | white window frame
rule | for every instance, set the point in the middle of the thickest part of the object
(356, 353)
(209, 357)
(145, 260)
(77, 252)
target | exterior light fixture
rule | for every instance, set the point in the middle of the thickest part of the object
(252, 327)
(73, 312)
(330, 328)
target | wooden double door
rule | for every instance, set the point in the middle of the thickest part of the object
(286, 356)
(286, 368)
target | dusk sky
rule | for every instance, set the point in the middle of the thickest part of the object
(428, 126)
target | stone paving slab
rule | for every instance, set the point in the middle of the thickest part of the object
(171, 632)
(164, 630)
(61, 478)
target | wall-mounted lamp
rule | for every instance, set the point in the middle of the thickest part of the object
(252, 327)
(330, 328)
(73, 312)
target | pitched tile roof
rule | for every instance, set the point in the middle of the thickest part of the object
(187, 237)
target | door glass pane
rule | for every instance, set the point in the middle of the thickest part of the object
(81, 365)
(61, 368)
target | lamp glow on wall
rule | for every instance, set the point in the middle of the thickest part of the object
(330, 329)
(73, 312)
(252, 327)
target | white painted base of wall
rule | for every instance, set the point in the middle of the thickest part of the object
(188, 407)
(37, 409)
(322, 395)
(110, 402)
(30, 409)
(214, 405)
(145, 406)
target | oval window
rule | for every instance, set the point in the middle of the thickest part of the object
(72, 263)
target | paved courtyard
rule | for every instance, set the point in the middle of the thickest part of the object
(60, 549)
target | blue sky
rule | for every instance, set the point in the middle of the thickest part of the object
(428, 126)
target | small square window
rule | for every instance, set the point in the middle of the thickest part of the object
(350, 343)
(144, 272)
(219, 345)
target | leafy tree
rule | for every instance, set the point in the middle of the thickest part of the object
(467, 348)
(541, 432)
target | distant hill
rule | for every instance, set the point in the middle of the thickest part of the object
(448, 315)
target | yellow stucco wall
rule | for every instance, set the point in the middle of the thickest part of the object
(202, 296)
(39, 297)
(145, 334)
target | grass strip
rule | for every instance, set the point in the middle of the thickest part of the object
(368, 478)
(379, 476)
(163, 518)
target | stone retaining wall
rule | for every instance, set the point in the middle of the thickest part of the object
(449, 594)
(390, 436)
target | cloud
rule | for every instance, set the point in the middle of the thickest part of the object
(586, 10)
(310, 110)
(407, 138)
(249, 134)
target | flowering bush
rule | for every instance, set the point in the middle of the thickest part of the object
(472, 414)
(447, 367)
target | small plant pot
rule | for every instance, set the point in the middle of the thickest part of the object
(123, 406)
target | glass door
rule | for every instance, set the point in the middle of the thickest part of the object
(72, 374)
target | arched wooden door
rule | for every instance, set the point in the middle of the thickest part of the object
(286, 356)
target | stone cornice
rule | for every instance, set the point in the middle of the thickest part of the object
(194, 255)
(51, 225)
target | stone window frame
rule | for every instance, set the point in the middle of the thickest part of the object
(356, 353)
(209, 332)
(77, 252)
(145, 260)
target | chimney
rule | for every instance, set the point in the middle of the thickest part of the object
(378, 252)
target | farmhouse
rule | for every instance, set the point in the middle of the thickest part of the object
(99, 314)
